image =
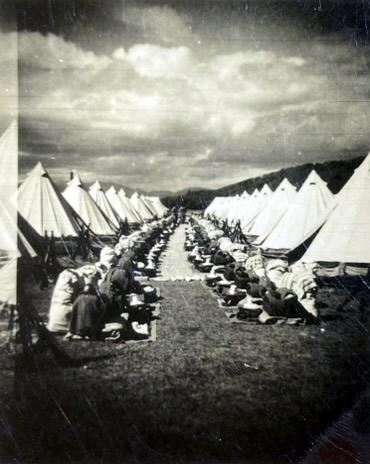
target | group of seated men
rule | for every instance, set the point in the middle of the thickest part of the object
(105, 300)
(265, 290)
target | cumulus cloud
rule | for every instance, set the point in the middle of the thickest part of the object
(167, 115)
(52, 52)
(160, 22)
(155, 61)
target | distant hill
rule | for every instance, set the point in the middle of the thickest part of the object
(185, 192)
(335, 173)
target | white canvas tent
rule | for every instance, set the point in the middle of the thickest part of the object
(8, 237)
(239, 209)
(218, 206)
(115, 202)
(9, 168)
(158, 207)
(155, 205)
(231, 207)
(305, 215)
(82, 203)
(133, 216)
(252, 200)
(148, 203)
(223, 207)
(161, 207)
(211, 208)
(344, 238)
(13, 244)
(255, 206)
(276, 206)
(98, 195)
(140, 207)
(44, 208)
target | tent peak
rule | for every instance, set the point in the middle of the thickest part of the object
(266, 190)
(39, 170)
(313, 178)
(112, 189)
(285, 184)
(76, 179)
(96, 186)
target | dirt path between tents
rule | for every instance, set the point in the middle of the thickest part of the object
(174, 261)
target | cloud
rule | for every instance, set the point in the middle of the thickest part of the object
(160, 22)
(167, 115)
(155, 61)
(54, 53)
(295, 60)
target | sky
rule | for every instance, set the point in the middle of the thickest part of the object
(183, 94)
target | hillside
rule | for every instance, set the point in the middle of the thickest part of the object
(335, 173)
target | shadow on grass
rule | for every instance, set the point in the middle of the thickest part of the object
(205, 391)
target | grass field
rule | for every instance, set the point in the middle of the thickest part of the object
(206, 391)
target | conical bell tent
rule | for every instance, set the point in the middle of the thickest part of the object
(44, 207)
(149, 201)
(140, 207)
(208, 211)
(122, 206)
(158, 206)
(344, 238)
(132, 215)
(148, 204)
(116, 204)
(248, 205)
(213, 206)
(275, 208)
(82, 203)
(230, 206)
(13, 243)
(238, 209)
(255, 207)
(303, 218)
(8, 182)
(224, 207)
(98, 195)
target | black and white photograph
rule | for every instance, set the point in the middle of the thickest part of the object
(184, 231)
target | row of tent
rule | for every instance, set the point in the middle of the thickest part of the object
(48, 211)
(62, 214)
(35, 208)
(328, 227)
